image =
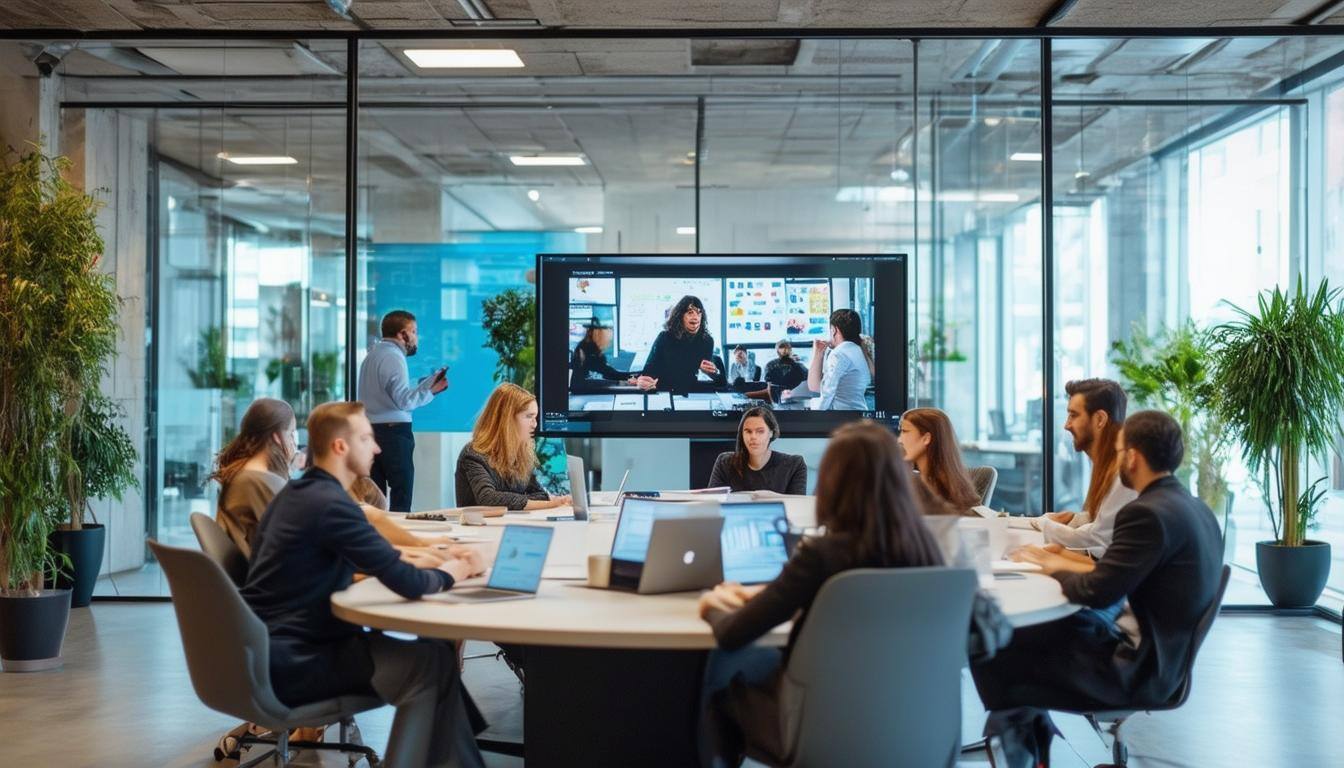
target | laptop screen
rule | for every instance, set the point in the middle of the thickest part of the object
(522, 553)
(635, 525)
(754, 551)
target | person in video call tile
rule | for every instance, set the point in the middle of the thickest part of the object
(683, 349)
(589, 361)
(785, 371)
(839, 369)
(742, 368)
(753, 466)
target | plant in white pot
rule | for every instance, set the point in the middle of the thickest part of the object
(1279, 380)
(54, 334)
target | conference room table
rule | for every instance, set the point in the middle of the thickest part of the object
(613, 678)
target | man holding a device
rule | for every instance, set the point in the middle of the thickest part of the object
(387, 394)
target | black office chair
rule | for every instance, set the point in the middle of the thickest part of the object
(1116, 718)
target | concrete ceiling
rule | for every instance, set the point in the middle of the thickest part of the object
(298, 15)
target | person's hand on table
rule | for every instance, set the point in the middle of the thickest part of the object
(1050, 561)
(461, 568)
(562, 501)
(724, 597)
(646, 382)
(709, 367)
(421, 558)
(743, 592)
(471, 556)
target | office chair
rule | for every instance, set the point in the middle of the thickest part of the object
(228, 656)
(1116, 718)
(215, 543)
(984, 479)
(893, 697)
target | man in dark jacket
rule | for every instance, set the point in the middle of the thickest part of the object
(1165, 557)
(311, 541)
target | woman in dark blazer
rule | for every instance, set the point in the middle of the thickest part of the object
(753, 466)
(682, 349)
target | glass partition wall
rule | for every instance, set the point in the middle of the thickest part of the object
(1183, 173)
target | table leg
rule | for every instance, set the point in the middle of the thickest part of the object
(606, 707)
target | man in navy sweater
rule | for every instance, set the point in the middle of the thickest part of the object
(311, 541)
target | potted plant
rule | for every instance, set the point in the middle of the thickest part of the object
(99, 463)
(1280, 389)
(57, 323)
(510, 322)
(1172, 371)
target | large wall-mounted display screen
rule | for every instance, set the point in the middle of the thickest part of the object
(635, 345)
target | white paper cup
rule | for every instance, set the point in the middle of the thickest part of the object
(599, 571)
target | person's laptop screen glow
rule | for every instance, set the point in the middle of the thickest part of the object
(635, 526)
(753, 545)
(522, 553)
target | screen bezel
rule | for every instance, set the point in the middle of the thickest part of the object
(809, 426)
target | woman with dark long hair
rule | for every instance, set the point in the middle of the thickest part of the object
(682, 349)
(930, 444)
(253, 467)
(866, 502)
(753, 465)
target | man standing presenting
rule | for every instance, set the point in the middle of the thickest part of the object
(386, 391)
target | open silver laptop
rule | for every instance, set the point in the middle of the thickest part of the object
(666, 546)
(516, 573)
(578, 489)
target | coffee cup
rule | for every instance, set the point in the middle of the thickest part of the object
(599, 571)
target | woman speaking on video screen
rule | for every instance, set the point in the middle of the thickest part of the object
(683, 348)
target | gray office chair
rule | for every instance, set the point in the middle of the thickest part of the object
(216, 543)
(1116, 718)
(893, 696)
(228, 657)
(984, 479)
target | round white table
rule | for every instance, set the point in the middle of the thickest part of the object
(613, 677)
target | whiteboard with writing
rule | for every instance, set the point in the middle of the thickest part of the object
(646, 301)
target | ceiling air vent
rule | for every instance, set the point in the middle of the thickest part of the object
(743, 53)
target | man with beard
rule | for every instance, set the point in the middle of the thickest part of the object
(1095, 412)
(386, 391)
(1165, 557)
(311, 541)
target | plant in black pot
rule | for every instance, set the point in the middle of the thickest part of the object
(1279, 378)
(57, 325)
(98, 462)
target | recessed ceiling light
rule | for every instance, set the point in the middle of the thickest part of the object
(542, 160)
(533, 195)
(257, 159)
(464, 58)
(685, 230)
(993, 121)
(588, 230)
(1026, 157)
(1081, 175)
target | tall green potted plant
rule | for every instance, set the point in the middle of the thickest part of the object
(510, 322)
(100, 464)
(54, 333)
(1280, 383)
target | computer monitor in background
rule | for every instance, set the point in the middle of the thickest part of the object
(599, 316)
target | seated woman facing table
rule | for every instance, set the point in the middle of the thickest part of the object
(753, 466)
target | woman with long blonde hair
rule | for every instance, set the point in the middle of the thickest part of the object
(498, 467)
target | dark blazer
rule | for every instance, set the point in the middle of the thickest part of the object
(674, 360)
(477, 482)
(1166, 558)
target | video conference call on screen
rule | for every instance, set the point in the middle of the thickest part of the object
(634, 345)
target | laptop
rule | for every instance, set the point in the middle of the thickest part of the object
(516, 573)
(578, 489)
(753, 541)
(682, 557)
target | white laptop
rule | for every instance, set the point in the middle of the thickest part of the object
(516, 573)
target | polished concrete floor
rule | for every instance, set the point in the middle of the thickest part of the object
(1268, 691)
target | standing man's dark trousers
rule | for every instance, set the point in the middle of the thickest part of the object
(394, 467)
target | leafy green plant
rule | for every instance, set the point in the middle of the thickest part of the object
(509, 320)
(212, 362)
(102, 456)
(1278, 375)
(57, 329)
(1173, 371)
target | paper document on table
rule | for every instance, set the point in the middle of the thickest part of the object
(660, 401)
(629, 403)
(685, 403)
(600, 405)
